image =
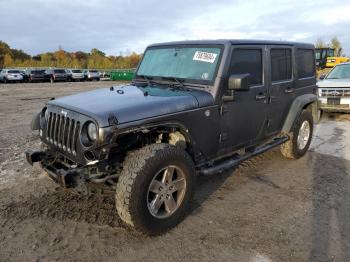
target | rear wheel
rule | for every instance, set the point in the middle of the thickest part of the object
(155, 188)
(300, 138)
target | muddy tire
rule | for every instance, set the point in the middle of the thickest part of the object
(300, 137)
(155, 188)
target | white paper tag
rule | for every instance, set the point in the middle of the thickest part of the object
(204, 56)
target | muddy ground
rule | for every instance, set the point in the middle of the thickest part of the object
(268, 209)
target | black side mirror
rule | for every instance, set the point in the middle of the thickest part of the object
(323, 76)
(239, 82)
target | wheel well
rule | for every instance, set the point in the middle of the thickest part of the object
(135, 139)
(313, 109)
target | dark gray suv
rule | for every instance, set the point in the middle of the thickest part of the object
(193, 108)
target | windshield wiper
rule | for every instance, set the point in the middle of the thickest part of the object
(147, 78)
(174, 79)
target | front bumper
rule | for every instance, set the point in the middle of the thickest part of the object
(342, 107)
(68, 174)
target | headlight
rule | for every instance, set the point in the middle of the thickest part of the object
(92, 131)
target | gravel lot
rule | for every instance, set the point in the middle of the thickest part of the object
(268, 209)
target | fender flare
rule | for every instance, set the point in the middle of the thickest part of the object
(35, 123)
(300, 103)
(168, 124)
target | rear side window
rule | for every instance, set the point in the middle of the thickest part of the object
(247, 61)
(281, 64)
(305, 63)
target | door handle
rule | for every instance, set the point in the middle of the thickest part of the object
(260, 97)
(288, 90)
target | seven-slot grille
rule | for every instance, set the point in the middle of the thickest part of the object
(63, 132)
(335, 92)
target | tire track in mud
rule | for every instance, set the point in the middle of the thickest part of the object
(63, 205)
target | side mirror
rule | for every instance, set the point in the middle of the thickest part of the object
(323, 76)
(239, 82)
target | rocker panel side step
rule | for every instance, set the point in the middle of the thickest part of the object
(235, 160)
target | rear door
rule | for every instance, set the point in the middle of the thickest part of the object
(280, 86)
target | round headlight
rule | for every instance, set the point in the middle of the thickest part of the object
(92, 131)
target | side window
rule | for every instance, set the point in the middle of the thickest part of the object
(281, 64)
(305, 63)
(247, 61)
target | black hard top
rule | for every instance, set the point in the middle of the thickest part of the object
(234, 42)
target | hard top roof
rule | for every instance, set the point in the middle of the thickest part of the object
(234, 42)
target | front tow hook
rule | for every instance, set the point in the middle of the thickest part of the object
(34, 156)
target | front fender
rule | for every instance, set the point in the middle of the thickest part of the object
(297, 107)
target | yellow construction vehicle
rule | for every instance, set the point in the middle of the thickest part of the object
(326, 57)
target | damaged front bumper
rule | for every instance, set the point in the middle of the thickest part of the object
(72, 175)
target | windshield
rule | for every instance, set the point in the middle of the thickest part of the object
(93, 71)
(331, 53)
(76, 71)
(198, 64)
(340, 72)
(14, 72)
(37, 71)
(59, 71)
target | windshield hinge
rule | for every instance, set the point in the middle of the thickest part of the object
(223, 109)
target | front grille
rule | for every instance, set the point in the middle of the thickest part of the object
(63, 132)
(336, 92)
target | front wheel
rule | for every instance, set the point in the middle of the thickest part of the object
(300, 137)
(155, 187)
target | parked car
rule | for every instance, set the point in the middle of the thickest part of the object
(76, 74)
(11, 75)
(91, 75)
(35, 75)
(193, 107)
(55, 75)
(334, 89)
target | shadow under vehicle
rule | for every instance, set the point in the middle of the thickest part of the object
(193, 107)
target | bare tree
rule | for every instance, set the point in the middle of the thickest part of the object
(320, 43)
(336, 45)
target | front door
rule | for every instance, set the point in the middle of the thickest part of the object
(244, 118)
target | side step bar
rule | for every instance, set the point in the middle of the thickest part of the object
(236, 159)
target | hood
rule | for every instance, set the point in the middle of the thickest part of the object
(130, 103)
(333, 83)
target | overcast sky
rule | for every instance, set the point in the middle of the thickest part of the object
(38, 26)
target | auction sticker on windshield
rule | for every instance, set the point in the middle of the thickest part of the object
(204, 56)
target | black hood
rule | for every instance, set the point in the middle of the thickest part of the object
(130, 103)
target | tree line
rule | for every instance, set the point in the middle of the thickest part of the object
(95, 59)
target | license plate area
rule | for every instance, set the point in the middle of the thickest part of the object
(333, 100)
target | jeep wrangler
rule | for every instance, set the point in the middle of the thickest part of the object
(192, 108)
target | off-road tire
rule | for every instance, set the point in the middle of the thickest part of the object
(290, 149)
(139, 168)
